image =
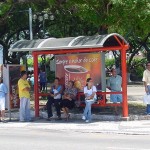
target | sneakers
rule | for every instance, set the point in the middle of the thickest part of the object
(3, 121)
(48, 119)
(87, 121)
(83, 118)
(59, 118)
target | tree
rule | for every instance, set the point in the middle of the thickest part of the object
(73, 18)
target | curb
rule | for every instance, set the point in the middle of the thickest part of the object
(101, 117)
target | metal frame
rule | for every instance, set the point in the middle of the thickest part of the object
(122, 48)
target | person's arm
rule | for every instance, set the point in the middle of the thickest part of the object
(65, 96)
(73, 94)
(51, 93)
(145, 81)
(60, 89)
(145, 85)
(28, 88)
(5, 89)
(85, 93)
(93, 93)
(108, 84)
(87, 97)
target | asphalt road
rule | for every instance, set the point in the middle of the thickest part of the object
(33, 139)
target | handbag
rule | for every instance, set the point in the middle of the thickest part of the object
(146, 99)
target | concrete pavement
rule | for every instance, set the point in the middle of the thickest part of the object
(101, 123)
(114, 127)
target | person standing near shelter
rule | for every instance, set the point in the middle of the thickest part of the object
(42, 78)
(90, 97)
(3, 92)
(146, 80)
(114, 84)
(24, 96)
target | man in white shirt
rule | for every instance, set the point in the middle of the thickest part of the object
(146, 80)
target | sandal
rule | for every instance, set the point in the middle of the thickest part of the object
(67, 118)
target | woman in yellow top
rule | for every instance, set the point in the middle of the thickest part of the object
(24, 96)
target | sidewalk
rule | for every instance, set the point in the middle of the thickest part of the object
(135, 97)
(111, 127)
(102, 122)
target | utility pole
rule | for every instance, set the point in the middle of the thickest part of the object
(30, 24)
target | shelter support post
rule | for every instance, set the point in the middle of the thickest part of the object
(36, 92)
(124, 82)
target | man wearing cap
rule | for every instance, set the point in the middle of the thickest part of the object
(24, 96)
(3, 92)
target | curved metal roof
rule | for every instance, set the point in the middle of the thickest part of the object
(107, 40)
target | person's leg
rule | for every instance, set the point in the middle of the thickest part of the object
(63, 107)
(64, 110)
(67, 112)
(113, 98)
(57, 107)
(117, 98)
(85, 111)
(22, 109)
(0, 111)
(148, 105)
(49, 106)
(3, 114)
(41, 86)
(44, 85)
(2, 108)
(89, 115)
(148, 89)
(148, 109)
(28, 115)
(0, 114)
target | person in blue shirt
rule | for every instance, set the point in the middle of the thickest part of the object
(55, 97)
(114, 84)
(3, 92)
(42, 78)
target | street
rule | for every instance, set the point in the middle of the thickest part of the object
(27, 139)
(76, 135)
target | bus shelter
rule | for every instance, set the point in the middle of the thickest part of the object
(73, 45)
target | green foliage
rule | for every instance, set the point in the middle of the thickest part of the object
(137, 68)
(74, 18)
(109, 62)
(131, 15)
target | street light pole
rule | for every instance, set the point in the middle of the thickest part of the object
(30, 24)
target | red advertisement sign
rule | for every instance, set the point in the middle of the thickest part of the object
(14, 76)
(79, 67)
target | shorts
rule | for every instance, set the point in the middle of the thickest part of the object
(2, 103)
(116, 98)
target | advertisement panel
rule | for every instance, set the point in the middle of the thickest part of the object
(11, 75)
(14, 76)
(79, 67)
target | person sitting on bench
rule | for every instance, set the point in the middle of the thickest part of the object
(68, 99)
